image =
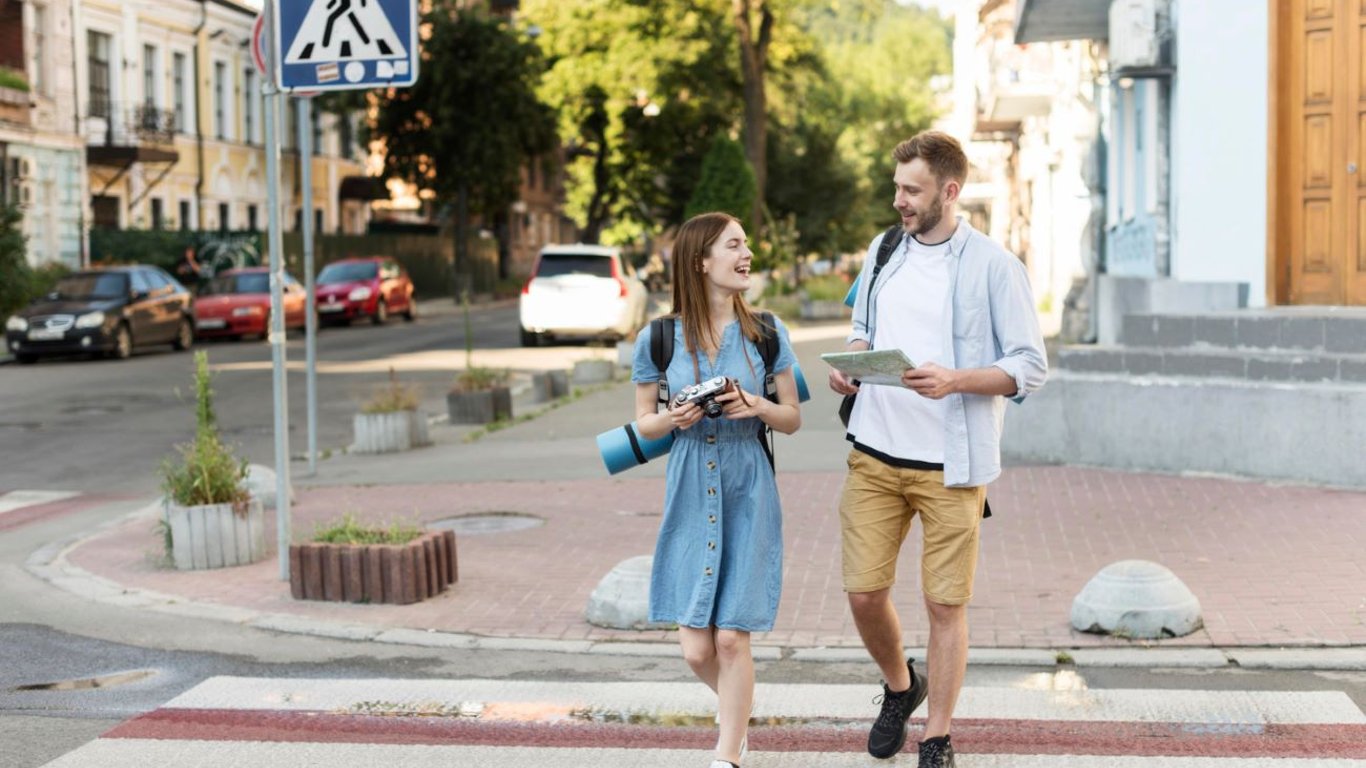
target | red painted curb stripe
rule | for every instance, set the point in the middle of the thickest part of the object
(26, 515)
(1051, 737)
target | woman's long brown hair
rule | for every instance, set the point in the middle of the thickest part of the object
(691, 300)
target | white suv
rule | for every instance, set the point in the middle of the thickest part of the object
(581, 290)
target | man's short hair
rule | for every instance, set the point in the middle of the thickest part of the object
(940, 151)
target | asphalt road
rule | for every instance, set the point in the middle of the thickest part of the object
(104, 425)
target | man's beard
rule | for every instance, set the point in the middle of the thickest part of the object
(928, 219)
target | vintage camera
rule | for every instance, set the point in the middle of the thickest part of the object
(704, 394)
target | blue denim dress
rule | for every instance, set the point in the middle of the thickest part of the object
(719, 557)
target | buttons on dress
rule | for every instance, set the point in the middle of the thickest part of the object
(711, 465)
(711, 439)
(711, 491)
(711, 518)
(708, 571)
(711, 545)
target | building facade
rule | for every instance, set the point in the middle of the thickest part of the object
(42, 167)
(174, 124)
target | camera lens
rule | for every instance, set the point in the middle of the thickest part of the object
(712, 408)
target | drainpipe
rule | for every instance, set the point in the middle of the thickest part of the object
(198, 116)
(82, 168)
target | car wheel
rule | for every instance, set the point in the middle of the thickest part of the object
(530, 338)
(184, 335)
(381, 313)
(410, 314)
(26, 359)
(123, 344)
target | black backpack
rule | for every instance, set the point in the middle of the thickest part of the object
(890, 240)
(662, 353)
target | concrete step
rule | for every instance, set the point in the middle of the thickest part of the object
(1339, 330)
(1265, 365)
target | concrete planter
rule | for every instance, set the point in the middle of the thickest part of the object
(389, 432)
(216, 536)
(593, 371)
(480, 407)
(374, 573)
(549, 385)
(824, 310)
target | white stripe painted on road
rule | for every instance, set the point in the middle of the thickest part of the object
(780, 700)
(13, 500)
(140, 753)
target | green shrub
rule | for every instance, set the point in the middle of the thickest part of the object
(350, 531)
(208, 472)
(13, 78)
(477, 379)
(825, 288)
(392, 397)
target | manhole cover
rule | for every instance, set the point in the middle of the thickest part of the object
(86, 683)
(487, 522)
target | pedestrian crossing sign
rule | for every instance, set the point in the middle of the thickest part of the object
(335, 45)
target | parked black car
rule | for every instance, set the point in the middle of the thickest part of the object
(108, 311)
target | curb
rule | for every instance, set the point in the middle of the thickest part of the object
(50, 564)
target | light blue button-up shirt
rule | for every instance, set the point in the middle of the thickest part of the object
(990, 321)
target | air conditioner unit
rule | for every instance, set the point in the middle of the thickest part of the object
(1136, 35)
(23, 194)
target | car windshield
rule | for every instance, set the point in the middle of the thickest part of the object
(554, 264)
(93, 285)
(345, 273)
(248, 282)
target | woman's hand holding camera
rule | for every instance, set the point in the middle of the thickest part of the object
(685, 415)
(739, 404)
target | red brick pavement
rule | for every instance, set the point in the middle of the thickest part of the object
(1271, 564)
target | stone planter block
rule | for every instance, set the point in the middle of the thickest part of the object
(825, 310)
(622, 599)
(1136, 599)
(214, 536)
(479, 407)
(592, 371)
(376, 573)
(389, 432)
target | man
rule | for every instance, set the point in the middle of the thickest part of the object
(961, 308)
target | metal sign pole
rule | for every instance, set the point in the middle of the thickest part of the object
(305, 122)
(277, 312)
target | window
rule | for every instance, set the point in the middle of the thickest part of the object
(178, 75)
(251, 218)
(156, 278)
(317, 120)
(317, 221)
(38, 69)
(185, 215)
(220, 100)
(249, 106)
(98, 46)
(141, 284)
(158, 214)
(149, 75)
(224, 223)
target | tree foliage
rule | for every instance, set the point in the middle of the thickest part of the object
(15, 273)
(727, 183)
(473, 120)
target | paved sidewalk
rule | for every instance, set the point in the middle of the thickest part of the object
(1273, 565)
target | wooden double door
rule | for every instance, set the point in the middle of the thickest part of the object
(1319, 58)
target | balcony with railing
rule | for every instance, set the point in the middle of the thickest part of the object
(121, 134)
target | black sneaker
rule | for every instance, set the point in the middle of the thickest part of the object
(936, 753)
(889, 731)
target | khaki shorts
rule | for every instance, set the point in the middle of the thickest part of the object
(876, 510)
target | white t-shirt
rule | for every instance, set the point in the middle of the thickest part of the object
(909, 315)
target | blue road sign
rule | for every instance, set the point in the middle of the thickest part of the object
(337, 45)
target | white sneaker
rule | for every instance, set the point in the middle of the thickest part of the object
(721, 764)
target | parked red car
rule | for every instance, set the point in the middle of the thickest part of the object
(236, 303)
(373, 287)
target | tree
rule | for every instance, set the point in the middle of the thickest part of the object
(472, 121)
(754, 42)
(15, 274)
(727, 183)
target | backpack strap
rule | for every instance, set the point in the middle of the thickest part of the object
(890, 240)
(768, 350)
(661, 354)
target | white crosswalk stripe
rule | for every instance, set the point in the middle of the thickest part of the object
(266, 722)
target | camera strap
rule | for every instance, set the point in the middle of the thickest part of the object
(662, 353)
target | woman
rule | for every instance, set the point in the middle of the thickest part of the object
(718, 561)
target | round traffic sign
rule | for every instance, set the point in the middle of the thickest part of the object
(258, 55)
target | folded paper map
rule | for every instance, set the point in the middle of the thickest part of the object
(876, 366)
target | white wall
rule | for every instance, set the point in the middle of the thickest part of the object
(1219, 167)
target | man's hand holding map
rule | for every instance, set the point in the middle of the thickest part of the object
(875, 366)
